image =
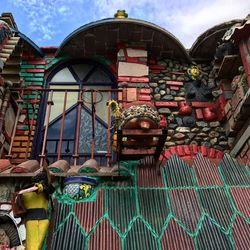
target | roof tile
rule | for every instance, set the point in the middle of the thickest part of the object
(185, 207)
(221, 210)
(153, 207)
(104, 237)
(207, 173)
(63, 238)
(140, 237)
(175, 238)
(240, 234)
(121, 207)
(241, 198)
(178, 173)
(210, 237)
(233, 172)
(89, 212)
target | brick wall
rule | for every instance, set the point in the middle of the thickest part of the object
(32, 72)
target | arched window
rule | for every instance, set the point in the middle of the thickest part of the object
(80, 75)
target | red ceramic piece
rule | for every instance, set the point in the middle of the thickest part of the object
(185, 109)
(209, 115)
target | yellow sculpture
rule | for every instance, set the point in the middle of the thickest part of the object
(194, 72)
(35, 200)
(121, 14)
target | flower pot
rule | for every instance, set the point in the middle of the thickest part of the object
(79, 187)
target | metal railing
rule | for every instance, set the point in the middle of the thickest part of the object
(44, 97)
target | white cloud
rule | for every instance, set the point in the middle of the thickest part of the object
(186, 19)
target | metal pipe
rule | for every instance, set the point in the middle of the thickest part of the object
(109, 134)
(93, 100)
(62, 126)
(49, 104)
(19, 106)
(31, 126)
(80, 102)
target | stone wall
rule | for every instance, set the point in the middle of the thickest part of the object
(168, 80)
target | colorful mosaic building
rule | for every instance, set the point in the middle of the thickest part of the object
(147, 143)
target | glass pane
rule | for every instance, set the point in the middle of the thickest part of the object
(82, 70)
(63, 75)
(85, 138)
(99, 76)
(58, 99)
(101, 107)
(69, 126)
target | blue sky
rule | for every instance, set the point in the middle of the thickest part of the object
(48, 22)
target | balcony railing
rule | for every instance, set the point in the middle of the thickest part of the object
(40, 105)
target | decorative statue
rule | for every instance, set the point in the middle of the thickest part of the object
(121, 14)
(34, 200)
(194, 72)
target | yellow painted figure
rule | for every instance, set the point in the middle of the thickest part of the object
(35, 200)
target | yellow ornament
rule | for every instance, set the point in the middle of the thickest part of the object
(194, 72)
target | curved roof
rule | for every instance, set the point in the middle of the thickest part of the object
(31, 44)
(102, 37)
(205, 45)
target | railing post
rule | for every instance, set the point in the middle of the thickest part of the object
(49, 104)
(80, 102)
(62, 126)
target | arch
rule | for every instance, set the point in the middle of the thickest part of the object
(205, 45)
(102, 37)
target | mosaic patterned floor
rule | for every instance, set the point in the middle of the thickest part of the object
(200, 207)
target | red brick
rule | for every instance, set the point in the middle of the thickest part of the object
(172, 150)
(177, 73)
(167, 154)
(219, 154)
(202, 104)
(211, 153)
(144, 98)
(198, 114)
(186, 150)
(194, 149)
(180, 150)
(174, 83)
(166, 104)
(123, 79)
(35, 70)
(156, 67)
(174, 88)
(42, 62)
(139, 79)
(145, 91)
(204, 150)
